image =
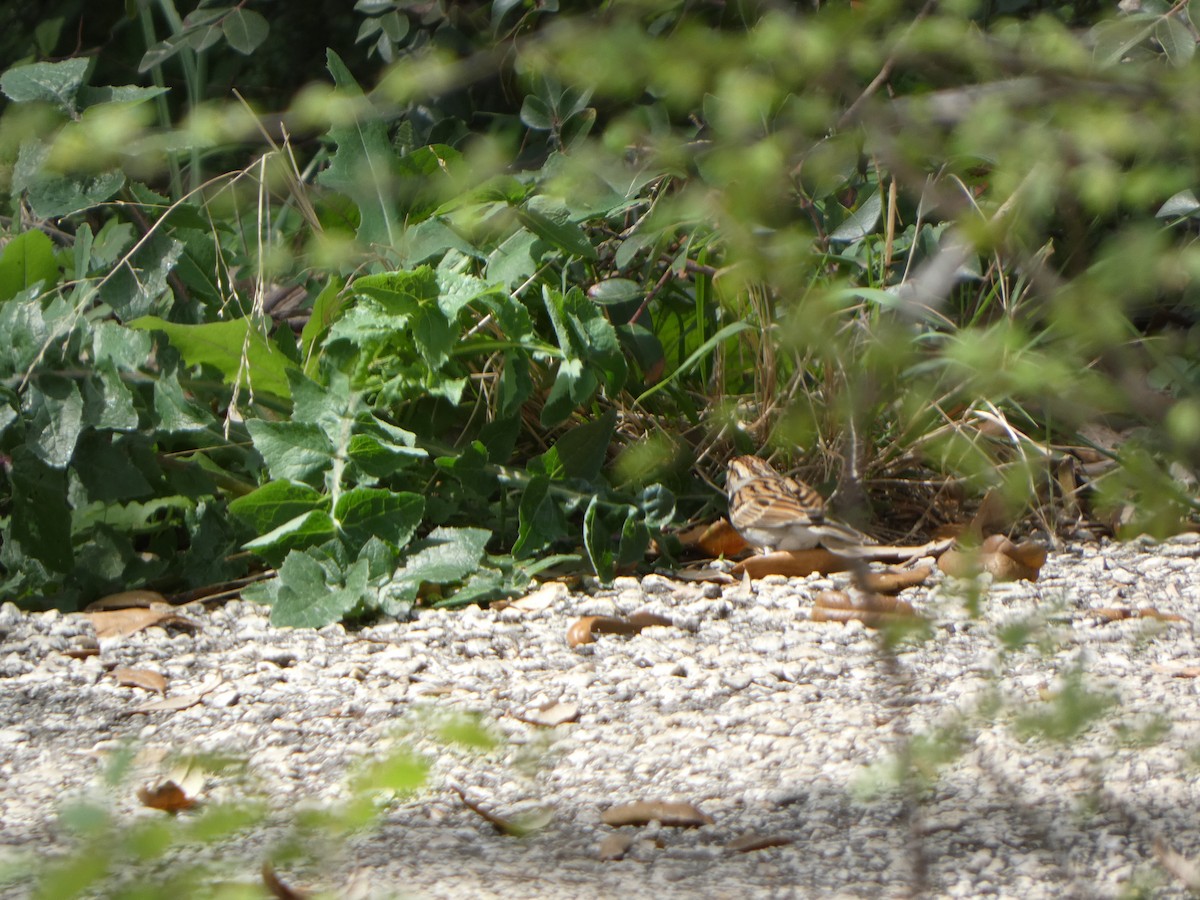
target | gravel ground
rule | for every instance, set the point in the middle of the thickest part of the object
(766, 721)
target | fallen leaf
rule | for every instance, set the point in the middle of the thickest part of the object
(749, 842)
(140, 599)
(997, 555)
(873, 610)
(584, 630)
(792, 564)
(894, 581)
(515, 827)
(543, 598)
(551, 715)
(615, 846)
(673, 814)
(143, 678)
(277, 889)
(702, 574)
(717, 539)
(167, 704)
(168, 797)
(1176, 671)
(1117, 613)
(124, 622)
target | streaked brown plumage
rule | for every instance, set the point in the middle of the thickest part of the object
(775, 512)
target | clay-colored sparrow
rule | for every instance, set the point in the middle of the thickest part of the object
(775, 512)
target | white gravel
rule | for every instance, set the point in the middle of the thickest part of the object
(768, 722)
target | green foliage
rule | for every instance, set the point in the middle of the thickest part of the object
(543, 240)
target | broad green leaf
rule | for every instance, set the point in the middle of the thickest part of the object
(364, 166)
(108, 403)
(635, 539)
(550, 220)
(862, 222)
(54, 407)
(41, 518)
(162, 51)
(392, 517)
(447, 555)
(414, 295)
(126, 93)
(236, 349)
(1114, 38)
(1176, 40)
(176, 413)
(291, 450)
(597, 541)
(126, 349)
(380, 458)
(245, 30)
(50, 82)
(583, 449)
(310, 529)
(540, 520)
(27, 260)
(107, 472)
(305, 600)
(614, 291)
(139, 286)
(275, 503)
(326, 308)
(1182, 204)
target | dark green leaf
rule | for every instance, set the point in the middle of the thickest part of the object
(392, 517)
(41, 518)
(55, 411)
(597, 541)
(304, 599)
(275, 503)
(364, 166)
(107, 472)
(540, 521)
(27, 260)
(51, 82)
(291, 450)
(245, 30)
(583, 449)
(550, 220)
(310, 529)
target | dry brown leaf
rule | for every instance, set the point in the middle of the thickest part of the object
(143, 678)
(1117, 613)
(1176, 671)
(997, 555)
(518, 827)
(584, 630)
(140, 599)
(873, 610)
(673, 814)
(792, 563)
(168, 796)
(542, 598)
(277, 889)
(85, 649)
(124, 622)
(750, 842)
(702, 574)
(716, 539)
(894, 581)
(551, 715)
(615, 846)
(167, 704)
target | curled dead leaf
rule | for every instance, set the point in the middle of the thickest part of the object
(143, 678)
(140, 599)
(792, 564)
(873, 610)
(515, 827)
(584, 630)
(1117, 613)
(894, 581)
(168, 797)
(124, 622)
(615, 846)
(997, 555)
(673, 814)
(1176, 671)
(750, 842)
(167, 704)
(716, 539)
(277, 888)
